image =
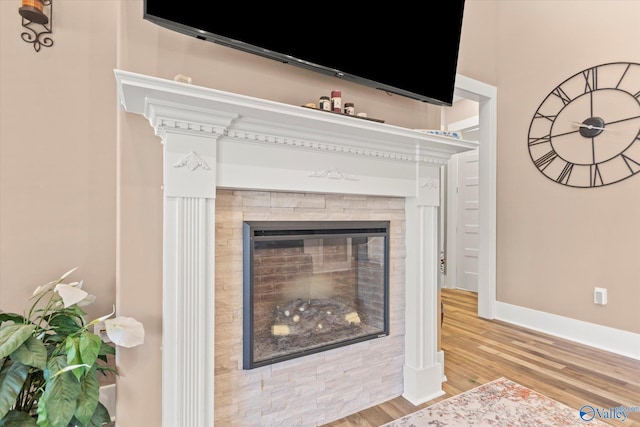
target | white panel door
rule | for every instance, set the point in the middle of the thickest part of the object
(468, 220)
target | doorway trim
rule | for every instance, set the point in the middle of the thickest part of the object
(486, 96)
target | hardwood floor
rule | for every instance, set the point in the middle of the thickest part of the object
(478, 351)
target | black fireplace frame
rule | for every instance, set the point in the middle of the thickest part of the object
(255, 231)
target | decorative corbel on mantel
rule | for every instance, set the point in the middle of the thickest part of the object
(214, 139)
(189, 135)
(192, 161)
(37, 18)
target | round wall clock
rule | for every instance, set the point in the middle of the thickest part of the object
(586, 132)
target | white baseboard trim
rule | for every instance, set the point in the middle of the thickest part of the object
(591, 334)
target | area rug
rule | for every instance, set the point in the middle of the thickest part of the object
(502, 403)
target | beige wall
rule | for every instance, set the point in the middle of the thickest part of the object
(64, 147)
(555, 243)
(58, 154)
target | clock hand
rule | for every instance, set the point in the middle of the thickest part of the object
(591, 127)
(582, 125)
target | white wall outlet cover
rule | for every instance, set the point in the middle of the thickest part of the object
(600, 296)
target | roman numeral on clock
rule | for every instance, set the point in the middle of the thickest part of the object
(541, 140)
(591, 79)
(623, 74)
(544, 116)
(630, 162)
(566, 99)
(596, 176)
(563, 178)
(543, 161)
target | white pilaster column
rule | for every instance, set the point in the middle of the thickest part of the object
(423, 371)
(189, 280)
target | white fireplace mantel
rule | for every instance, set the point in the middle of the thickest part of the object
(214, 139)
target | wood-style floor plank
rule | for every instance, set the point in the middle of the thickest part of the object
(478, 351)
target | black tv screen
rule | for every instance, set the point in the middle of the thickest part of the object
(406, 48)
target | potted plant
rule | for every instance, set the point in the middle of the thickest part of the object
(50, 359)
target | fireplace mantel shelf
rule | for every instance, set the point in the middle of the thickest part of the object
(267, 121)
(213, 139)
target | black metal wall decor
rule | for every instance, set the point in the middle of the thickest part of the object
(586, 132)
(37, 19)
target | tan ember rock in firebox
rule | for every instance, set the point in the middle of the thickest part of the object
(315, 316)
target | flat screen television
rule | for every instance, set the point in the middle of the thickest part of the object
(406, 48)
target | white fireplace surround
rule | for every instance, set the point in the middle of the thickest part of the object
(214, 139)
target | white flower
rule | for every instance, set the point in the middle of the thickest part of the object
(77, 284)
(65, 275)
(103, 318)
(70, 294)
(125, 331)
(43, 288)
(89, 299)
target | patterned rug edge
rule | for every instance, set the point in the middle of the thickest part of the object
(498, 402)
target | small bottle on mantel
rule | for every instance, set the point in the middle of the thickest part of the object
(349, 109)
(324, 103)
(336, 101)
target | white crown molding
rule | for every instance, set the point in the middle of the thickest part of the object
(188, 108)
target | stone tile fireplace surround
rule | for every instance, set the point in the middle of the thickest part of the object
(318, 388)
(230, 158)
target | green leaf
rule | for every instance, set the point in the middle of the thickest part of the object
(77, 311)
(73, 355)
(32, 353)
(12, 378)
(88, 398)
(107, 349)
(65, 319)
(17, 419)
(12, 317)
(54, 339)
(100, 416)
(63, 323)
(104, 369)
(58, 402)
(12, 337)
(43, 417)
(90, 344)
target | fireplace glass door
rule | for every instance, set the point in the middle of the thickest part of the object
(312, 286)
